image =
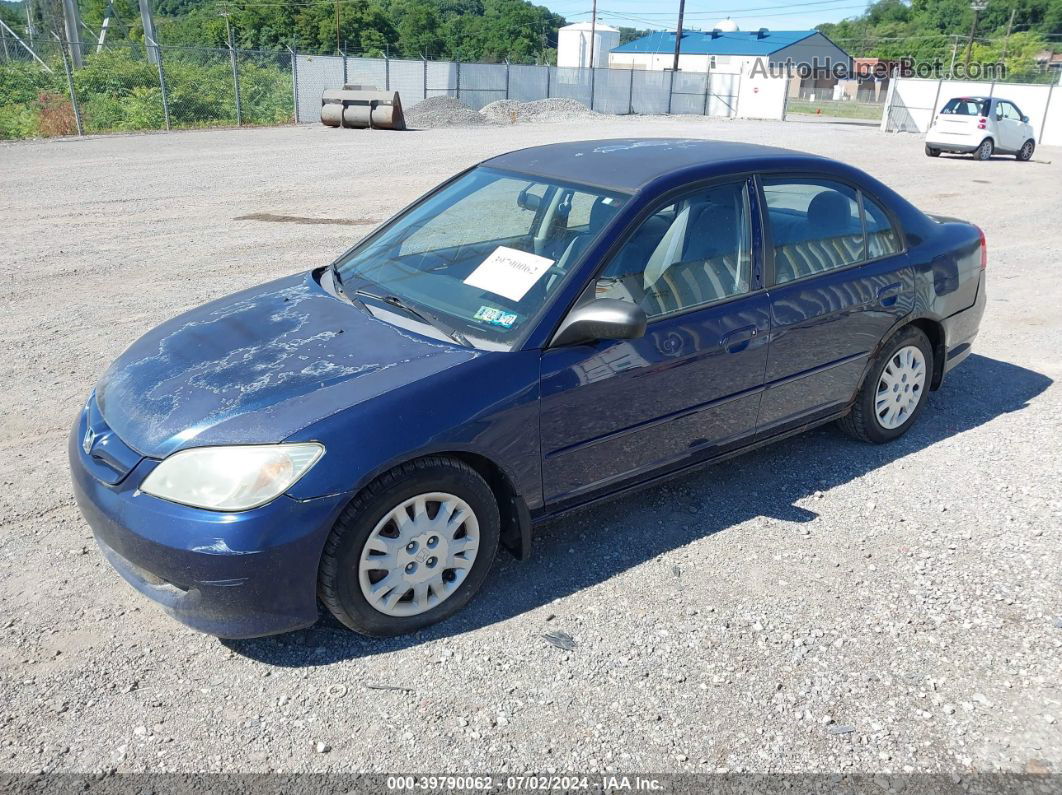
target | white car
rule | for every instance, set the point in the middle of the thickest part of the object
(981, 125)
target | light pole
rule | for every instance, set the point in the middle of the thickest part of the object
(978, 6)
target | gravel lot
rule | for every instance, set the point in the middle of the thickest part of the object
(820, 605)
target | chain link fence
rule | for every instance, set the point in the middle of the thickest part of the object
(131, 87)
(616, 91)
(134, 87)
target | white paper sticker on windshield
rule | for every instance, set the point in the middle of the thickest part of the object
(509, 272)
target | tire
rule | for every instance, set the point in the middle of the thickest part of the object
(985, 150)
(865, 421)
(1026, 151)
(351, 562)
(931, 152)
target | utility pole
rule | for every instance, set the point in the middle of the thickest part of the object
(1006, 39)
(72, 27)
(593, 32)
(954, 50)
(103, 28)
(29, 21)
(150, 42)
(978, 6)
(339, 49)
(678, 36)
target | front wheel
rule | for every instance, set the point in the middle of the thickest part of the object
(931, 152)
(895, 389)
(1026, 151)
(984, 151)
(411, 549)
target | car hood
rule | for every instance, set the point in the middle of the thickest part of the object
(257, 366)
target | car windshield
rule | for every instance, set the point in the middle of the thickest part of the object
(482, 255)
(965, 106)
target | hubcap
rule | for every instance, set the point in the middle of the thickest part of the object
(900, 387)
(418, 554)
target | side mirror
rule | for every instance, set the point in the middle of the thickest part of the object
(603, 319)
(1025, 119)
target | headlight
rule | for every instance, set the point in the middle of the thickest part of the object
(231, 478)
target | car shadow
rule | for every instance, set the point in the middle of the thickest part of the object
(579, 551)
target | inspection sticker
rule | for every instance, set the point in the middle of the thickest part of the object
(509, 272)
(495, 316)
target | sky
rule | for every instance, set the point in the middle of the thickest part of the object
(750, 15)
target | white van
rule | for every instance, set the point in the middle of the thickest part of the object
(981, 125)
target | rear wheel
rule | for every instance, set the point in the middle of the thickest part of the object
(984, 151)
(931, 152)
(895, 389)
(411, 549)
(1026, 151)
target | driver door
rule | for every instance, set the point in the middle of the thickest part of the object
(614, 411)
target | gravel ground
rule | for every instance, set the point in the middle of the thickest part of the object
(819, 605)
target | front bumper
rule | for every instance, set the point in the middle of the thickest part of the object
(234, 575)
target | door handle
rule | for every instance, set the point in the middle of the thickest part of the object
(738, 339)
(888, 294)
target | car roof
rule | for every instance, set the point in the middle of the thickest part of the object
(628, 164)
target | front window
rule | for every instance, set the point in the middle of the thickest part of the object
(483, 254)
(692, 252)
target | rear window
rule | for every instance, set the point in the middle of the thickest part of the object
(964, 106)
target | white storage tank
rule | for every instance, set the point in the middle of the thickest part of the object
(573, 44)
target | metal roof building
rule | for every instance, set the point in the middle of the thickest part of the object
(728, 51)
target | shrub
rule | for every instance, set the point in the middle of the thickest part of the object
(19, 121)
(56, 115)
(119, 90)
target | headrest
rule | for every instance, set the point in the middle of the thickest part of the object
(713, 232)
(830, 211)
(601, 213)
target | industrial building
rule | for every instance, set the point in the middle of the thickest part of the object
(574, 44)
(726, 49)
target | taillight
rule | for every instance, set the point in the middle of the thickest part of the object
(984, 248)
(981, 123)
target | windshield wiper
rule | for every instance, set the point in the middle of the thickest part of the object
(420, 314)
(337, 280)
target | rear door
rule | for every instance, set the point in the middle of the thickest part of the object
(835, 291)
(621, 410)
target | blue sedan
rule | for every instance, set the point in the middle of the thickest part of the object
(551, 327)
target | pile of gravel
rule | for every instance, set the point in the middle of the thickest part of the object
(511, 111)
(442, 112)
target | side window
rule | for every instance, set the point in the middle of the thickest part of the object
(815, 226)
(882, 239)
(1011, 112)
(999, 110)
(694, 251)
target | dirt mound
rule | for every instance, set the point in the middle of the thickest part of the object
(442, 112)
(511, 111)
